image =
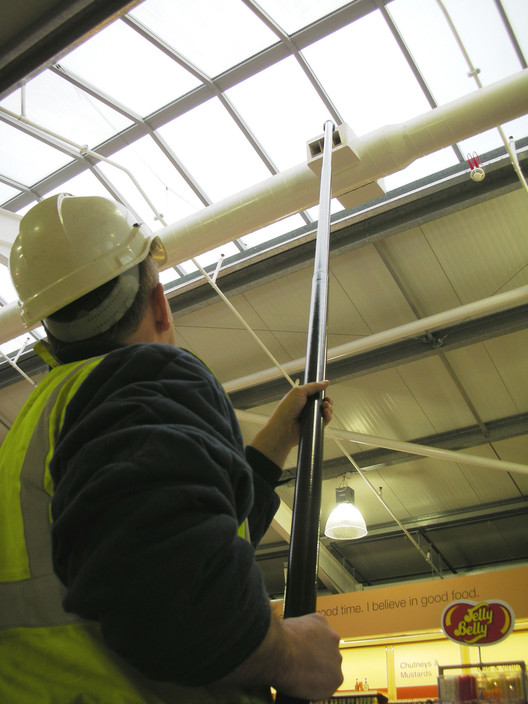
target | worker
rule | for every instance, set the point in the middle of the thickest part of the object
(129, 508)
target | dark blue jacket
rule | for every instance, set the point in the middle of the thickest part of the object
(151, 483)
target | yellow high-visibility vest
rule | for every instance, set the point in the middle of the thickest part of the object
(49, 656)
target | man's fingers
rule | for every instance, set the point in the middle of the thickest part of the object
(312, 387)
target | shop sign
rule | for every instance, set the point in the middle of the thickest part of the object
(482, 623)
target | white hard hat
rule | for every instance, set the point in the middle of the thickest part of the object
(68, 246)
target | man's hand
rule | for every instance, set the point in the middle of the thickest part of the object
(281, 433)
(312, 670)
(299, 657)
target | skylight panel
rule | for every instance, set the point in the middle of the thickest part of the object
(213, 256)
(84, 184)
(164, 187)
(293, 114)
(212, 35)
(12, 102)
(425, 166)
(210, 258)
(121, 63)
(168, 276)
(374, 85)
(427, 33)
(25, 158)
(314, 211)
(214, 150)
(16, 343)
(434, 47)
(489, 48)
(270, 232)
(59, 106)
(7, 192)
(517, 11)
(295, 14)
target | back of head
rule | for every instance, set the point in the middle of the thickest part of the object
(79, 264)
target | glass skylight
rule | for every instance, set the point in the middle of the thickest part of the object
(124, 65)
(265, 234)
(295, 14)
(229, 34)
(374, 85)
(294, 112)
(169, 194)
(428, 37)
(488, 48)
(7, 192)
(50, 102)
(85, 184)
(214, 150)
(25, 158)
(517, 12)
(127, 96)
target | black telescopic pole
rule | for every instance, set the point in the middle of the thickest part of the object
(301, 584)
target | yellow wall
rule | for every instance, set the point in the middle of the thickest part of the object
(412, 660)
(393, 635)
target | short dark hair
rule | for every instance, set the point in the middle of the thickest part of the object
(123, 328)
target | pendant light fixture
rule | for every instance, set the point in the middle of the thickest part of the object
(345, 521)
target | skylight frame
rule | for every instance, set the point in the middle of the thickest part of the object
(286, 46)
(229, 78)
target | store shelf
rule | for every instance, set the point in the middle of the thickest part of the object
(370, 697)
(484, 683)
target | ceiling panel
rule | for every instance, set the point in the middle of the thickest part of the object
(495, 541)
(380, 404)
(508, 356)
(417, 266)
(436, 394)
(486, 249)
(490, 485)
(370, 286)
(482, 377)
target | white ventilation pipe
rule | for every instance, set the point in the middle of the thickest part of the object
(356, 162)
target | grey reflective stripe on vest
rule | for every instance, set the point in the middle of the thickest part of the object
(37, 601)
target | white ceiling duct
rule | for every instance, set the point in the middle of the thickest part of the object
(355, 162)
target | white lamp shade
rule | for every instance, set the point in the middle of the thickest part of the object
(345, 522)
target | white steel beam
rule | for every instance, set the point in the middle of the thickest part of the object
(403, 446)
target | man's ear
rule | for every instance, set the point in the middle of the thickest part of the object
(161, 308)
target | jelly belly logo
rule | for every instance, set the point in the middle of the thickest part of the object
(485, 623)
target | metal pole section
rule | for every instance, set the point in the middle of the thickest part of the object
(301, 584)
